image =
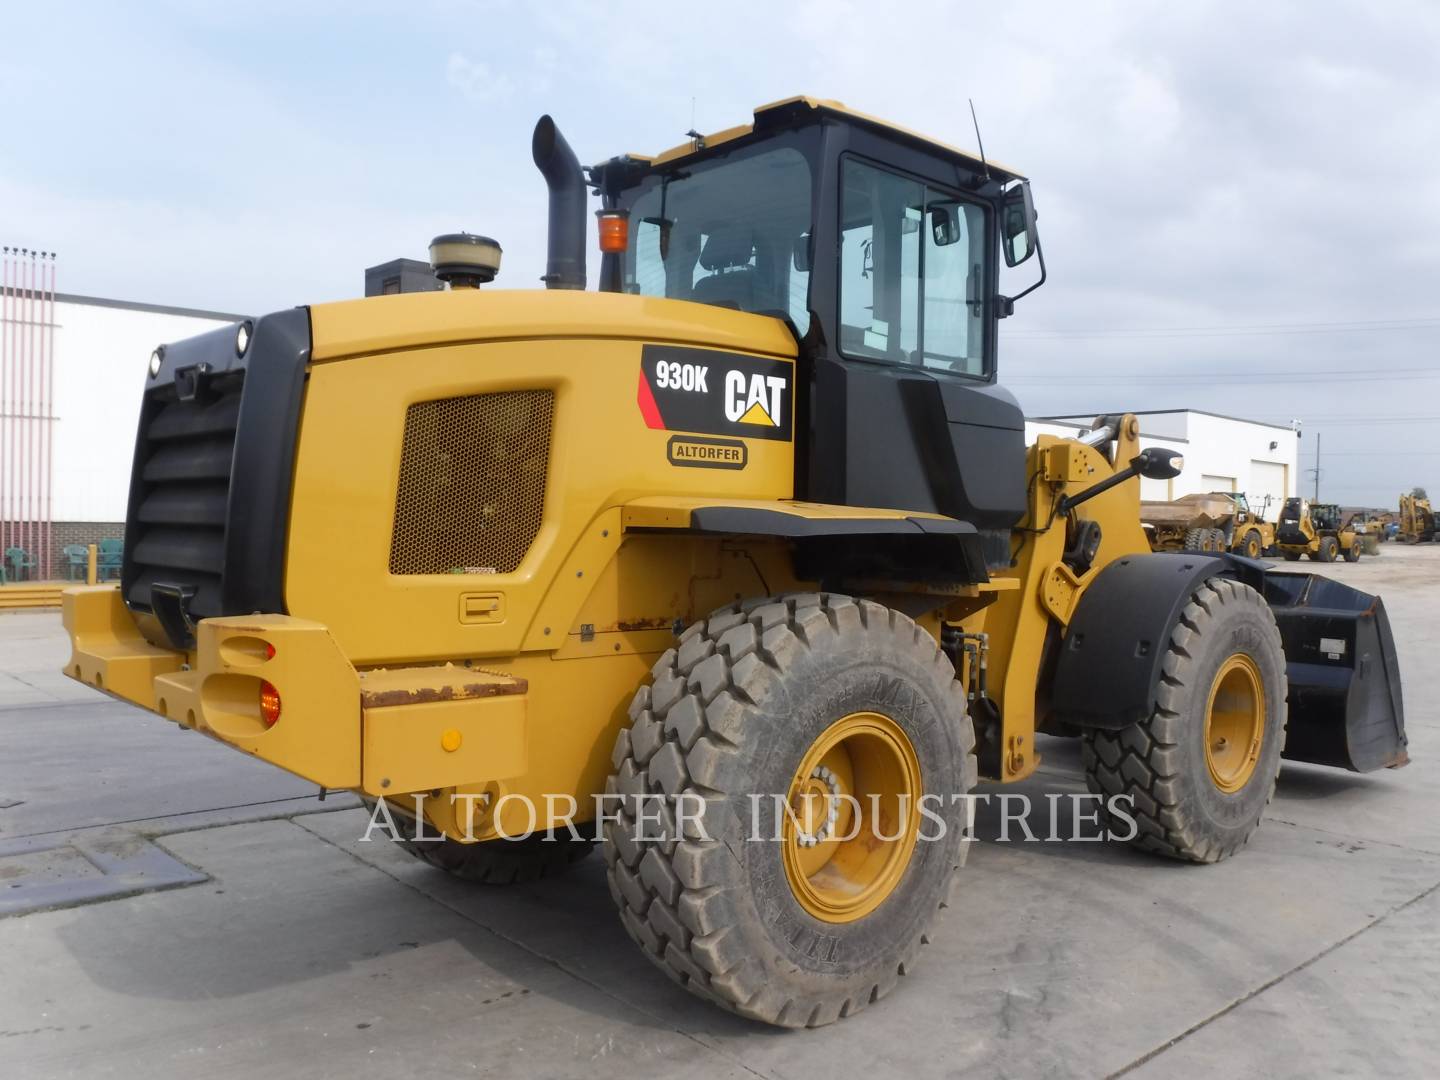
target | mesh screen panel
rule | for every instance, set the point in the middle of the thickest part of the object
(472, 483)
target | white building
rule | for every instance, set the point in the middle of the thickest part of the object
(102, 348)
(1222, 453)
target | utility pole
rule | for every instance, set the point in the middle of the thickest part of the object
(1316, 468)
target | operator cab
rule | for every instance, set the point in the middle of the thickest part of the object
(1326, 516)
(881, 249)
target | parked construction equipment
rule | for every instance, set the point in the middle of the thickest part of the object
(1417, 520)
(748, 544)
(1217, 521)
(1316, 530)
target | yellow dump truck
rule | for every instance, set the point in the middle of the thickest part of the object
(1217, 521)
(741, 562)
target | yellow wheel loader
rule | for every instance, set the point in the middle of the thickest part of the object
(740, 564)
(1248, 533)
(1316, 530)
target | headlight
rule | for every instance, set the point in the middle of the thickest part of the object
(242, 338)
(156, 358)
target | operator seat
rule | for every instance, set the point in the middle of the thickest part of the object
(732, 281)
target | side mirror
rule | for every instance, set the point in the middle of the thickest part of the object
(1158, 463)
(800, 253)
(945, 223)
(1153, 464)
(1017, 224)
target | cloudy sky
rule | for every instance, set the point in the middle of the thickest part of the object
(1239, 201)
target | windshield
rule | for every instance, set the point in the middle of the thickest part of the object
(734, 233)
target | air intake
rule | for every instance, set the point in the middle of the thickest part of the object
(472, 483)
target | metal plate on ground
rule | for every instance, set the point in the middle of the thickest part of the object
(41, 872)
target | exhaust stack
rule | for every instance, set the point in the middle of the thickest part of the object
(565, 264)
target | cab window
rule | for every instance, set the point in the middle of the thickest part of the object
(912, 273)
(733, 232)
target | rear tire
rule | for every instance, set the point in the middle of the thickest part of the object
(1326, 551)
(733, 712)
(1182, 807)
(502, 862)
(1252, 546)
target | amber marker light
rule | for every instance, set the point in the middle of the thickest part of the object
(269, 696)
(614, 230)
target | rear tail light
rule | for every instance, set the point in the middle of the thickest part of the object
(269, 704)
(269, 696)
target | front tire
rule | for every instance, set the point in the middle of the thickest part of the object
(1352, 553)
(1252, 547)
(1201, 768)
(791, 933)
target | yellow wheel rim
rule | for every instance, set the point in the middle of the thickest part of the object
(841, 866)
(1234, 723)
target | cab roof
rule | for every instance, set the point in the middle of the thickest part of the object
(821, 107)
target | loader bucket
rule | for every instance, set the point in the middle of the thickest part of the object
(1345, 705)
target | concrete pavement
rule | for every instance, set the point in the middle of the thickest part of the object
(305, 952)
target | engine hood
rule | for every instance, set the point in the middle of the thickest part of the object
(383, 324)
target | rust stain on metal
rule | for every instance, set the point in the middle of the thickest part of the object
(459, 691)
(659, 623)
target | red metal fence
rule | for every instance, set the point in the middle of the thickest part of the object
(27, 415)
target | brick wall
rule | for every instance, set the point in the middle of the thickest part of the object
(75, 532)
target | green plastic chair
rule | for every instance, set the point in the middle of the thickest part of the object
(111, 556)
(22, 564)
(77, 558)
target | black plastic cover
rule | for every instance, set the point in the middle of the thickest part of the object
(836, 550)
(211, 481)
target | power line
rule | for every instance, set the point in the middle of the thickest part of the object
(1233, 330)
(1179, 378)
(1362, 420)
(1256, 326)
(1383, 417)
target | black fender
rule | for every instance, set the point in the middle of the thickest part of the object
(1120, 628)
(835, 548)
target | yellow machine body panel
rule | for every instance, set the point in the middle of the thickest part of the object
(406, 321)
(1025, 621)
(601, 454)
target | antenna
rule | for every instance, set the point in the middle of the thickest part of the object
(976, 121)
(692, 133)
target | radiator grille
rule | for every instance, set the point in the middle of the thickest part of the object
(472, 483)
(178, 525)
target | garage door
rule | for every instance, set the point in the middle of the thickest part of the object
(1267, 478)
(1210, 482)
